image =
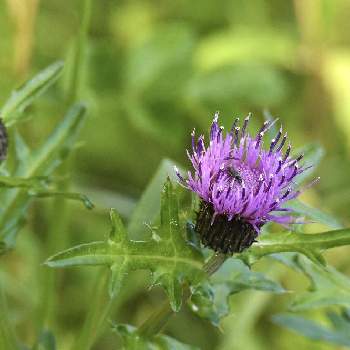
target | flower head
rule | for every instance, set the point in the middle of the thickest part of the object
(241, 184)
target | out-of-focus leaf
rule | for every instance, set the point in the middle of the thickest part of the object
(148, 206)
(41, 162)
(242, 45)
(239, 277)
(328, 286)
(210, 301)
(7, 337)
(133, 341)
(254, 85)
(310, 245)
(2, 247)
(151, 60)
(313, 330)
(314, 214)
(167, 255)
(46, 341)
(313, 154)
(29, 91)
(336, 77)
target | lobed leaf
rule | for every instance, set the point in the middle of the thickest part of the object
(328, 287)
(211, 301)
(168, 256)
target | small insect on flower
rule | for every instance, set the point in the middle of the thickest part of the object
(242, 186)
(234, 174)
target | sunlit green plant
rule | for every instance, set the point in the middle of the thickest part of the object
(170, 250)
(169, 247)
(160, 235)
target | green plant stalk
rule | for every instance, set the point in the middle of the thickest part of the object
(156, 322)
(8, 339)
(59, 216)
(98, 312)
(78, 58)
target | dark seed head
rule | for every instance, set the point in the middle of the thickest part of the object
(221, 235)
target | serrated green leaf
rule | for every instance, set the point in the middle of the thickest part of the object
(41, 162)
(148, 206)
(170, 258)
(312, 330)
(328, 286)
(211, 301)
(310, 245)
(29, 91)
(133, 341)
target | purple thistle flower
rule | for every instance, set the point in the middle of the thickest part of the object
(242, 185)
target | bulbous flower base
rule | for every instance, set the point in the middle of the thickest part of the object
(221, 235)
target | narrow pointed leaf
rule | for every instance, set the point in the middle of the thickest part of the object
(29, 91)
(41, 162)
(95, 253)
(315, 214)
(313, 154)
(148, 206)
(311, 329)
(118, 232)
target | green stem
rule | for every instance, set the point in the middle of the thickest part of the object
(8, 339)
(59, 214)
(79, 53)
(98, 312)
(214, 263)
(155, 323)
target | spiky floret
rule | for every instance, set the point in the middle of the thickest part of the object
(237, 179)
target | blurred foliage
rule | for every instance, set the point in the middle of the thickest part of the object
(150, 72)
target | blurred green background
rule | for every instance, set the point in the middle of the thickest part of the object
(153, 70)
